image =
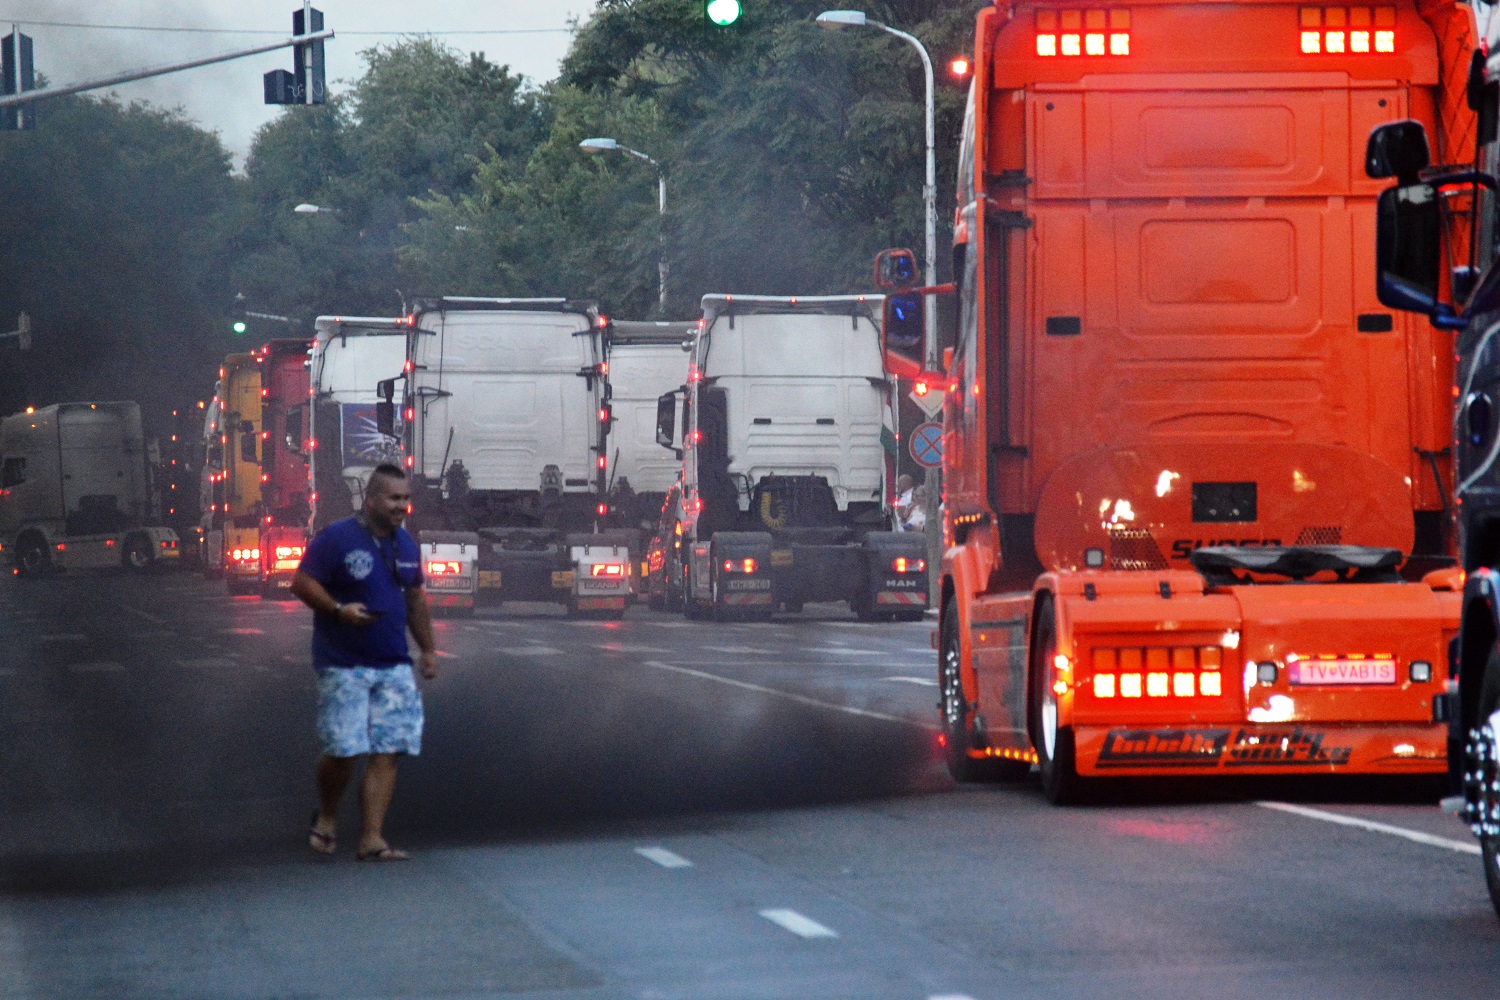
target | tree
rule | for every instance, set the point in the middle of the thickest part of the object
(117, 253)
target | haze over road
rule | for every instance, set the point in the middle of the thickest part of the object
(653, 808)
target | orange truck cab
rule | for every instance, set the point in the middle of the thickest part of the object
(1196, 475)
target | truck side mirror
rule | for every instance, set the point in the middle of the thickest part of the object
(248, 451)
(294, 428)
(895, 269)
(1399, 150)
(666, 419)
(385, 409)
(1408, 248)
(903, 333)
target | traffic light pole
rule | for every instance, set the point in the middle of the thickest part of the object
(14, 100)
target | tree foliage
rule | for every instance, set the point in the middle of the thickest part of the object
(792, 155)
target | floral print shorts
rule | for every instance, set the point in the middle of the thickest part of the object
(369, 710)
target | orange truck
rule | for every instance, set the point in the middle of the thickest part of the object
(1196, 476)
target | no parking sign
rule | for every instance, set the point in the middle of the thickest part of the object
(926, 445)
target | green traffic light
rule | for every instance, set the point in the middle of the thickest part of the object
(724, 12)
(240, 326)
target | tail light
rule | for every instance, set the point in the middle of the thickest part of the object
(740, 565)
(901, 564)
(443, 567)
(288, 552)
(1158, 672)
(607, 569)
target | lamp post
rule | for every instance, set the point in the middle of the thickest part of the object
(603, 145)
(307, 208)
(837, 20)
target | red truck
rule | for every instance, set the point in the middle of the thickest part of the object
(285, 510)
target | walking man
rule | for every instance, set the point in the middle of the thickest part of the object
(362, 577)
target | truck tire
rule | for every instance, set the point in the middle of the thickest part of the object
(956, 718)
(138, 557)
(32, 557)
(1053, 743)
(691, 609)
(1488, 768)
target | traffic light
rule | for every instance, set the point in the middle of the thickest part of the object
(304, 84)
(20, 76)
(723, 12)
(240, 321)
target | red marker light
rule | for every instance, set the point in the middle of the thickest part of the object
(921, 388)
(603, 509)
(959, 67)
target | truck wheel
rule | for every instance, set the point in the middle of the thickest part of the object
(138, 556)
(1485, 761)
(1054, 743)
(32, 557)
(956, 717)
(691, 608)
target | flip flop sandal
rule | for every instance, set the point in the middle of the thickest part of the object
(322, 843)
(386, 853)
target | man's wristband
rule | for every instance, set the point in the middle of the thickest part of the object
(338, 609)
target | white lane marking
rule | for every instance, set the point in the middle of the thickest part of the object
(919, 649)
(803, 927)
(65, 637)
(100, 667)
(789, 696)
(841, 651)
(664, 857)
(740, 650)
(950, 996)
(153, 619)
(616, 647)
(924, 681)
(538, 651)
(1461, 846)
(493, 624)
(245, 631)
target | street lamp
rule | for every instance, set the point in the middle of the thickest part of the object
(837, 20)
(602, 145)
(306, 208)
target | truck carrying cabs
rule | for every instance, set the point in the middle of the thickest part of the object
(1186, 529)
(506, 409)
(77, 492)
(787, 437)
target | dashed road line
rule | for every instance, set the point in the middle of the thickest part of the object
(741, 650)
(789, 696)
(1416, 836)
(844, 651)
(100, 667)
(615, 647)
(923, 681)
(950, 996)
(664, 857)
(803, 927)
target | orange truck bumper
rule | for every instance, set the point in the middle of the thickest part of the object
(1172, 678)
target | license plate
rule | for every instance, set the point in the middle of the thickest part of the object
(489, 578)
(747, 585)
(1322, 673)
(448, 583)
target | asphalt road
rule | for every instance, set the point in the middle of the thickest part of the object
(651, 809)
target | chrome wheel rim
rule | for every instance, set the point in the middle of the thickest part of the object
(953, 695)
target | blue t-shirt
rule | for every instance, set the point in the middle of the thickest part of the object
(353, 565)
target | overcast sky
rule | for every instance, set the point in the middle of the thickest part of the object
(227, 97)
